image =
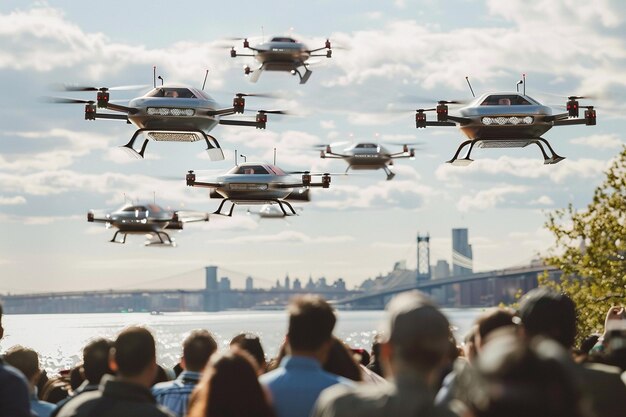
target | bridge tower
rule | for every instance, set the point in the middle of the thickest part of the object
(423, 257)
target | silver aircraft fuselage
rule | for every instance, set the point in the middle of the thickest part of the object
(490, 120)
(258, 187)
(176, 114)
(281, 56)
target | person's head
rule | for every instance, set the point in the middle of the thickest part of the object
(197, 349)
(417, 338)
(55, 390)
(26, 361)
(544, 312)
(489, 321)
(229, 387)
(1, 328)
(341, 362)
(96, 360)
(311, 324)
(134, 356)
(515, 378)
(252, 344)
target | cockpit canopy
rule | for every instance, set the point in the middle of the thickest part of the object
(152, 208)
(283, 39)
(366, 146)
(171, 92)
(256, 169)
(508, 100)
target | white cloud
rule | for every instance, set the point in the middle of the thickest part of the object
(524, 168)
(12, 201)
(287, 236)
(550, 38)
(42, 39)
(327, 124)
(544, 200)
(489, 198)
(607, 141)
(72, 145)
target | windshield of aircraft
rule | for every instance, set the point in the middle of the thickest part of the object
(134, 208)
(366, 146)
(171, 92)
(249, 170)
(279, 39)
(506, 100)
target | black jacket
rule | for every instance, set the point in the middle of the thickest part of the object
(114, 398)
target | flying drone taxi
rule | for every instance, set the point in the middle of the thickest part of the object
(254, 183)
(506, 120)
(146, 219)
(368, 156)
(169, 113)
(282, 53)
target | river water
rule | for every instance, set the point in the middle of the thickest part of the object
(59, 338)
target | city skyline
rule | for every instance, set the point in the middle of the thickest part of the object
(397, 56)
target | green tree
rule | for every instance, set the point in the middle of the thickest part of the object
(590, 249)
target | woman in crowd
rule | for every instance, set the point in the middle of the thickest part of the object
(230, 388)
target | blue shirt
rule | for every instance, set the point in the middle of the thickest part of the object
(40, 408)
(296, 384)
(174, 395)
(13, 392)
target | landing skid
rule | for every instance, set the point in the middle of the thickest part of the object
(389, 173)
(164, 238)
(303, 78)
(281, 204)
(548, 160)
(215, 151)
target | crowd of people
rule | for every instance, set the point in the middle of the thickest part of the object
(520, 363)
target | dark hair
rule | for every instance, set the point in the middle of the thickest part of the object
(134, 351)
(251, 344)
(24, 359)
(76, 377)
(311, 322)
(516, 379)
(96, 360)
(229, 387)
(340, 362)
(494, 319)
(55, 390)
(160, 375)
(547, 313)
(197, 349)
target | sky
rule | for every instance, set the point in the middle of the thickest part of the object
(396, 56)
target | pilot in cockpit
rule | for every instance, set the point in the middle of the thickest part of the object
(504, 102)
(171, 94)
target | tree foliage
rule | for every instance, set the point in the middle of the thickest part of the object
(590, 249)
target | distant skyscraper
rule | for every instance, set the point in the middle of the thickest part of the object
(224, 284)
(249, 284)
(287, 283)
(441, 270)
(210, 282)
(297, 285)
(462, 263)
(423, 257)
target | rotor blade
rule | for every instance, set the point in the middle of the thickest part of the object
(321, 146)
(66, 87)
(65, 100)
(411, 98)
(263, 95)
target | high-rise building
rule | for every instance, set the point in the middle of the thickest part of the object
(224, 284)
(441, 269)
(287, 283)
(210, 282)
(249, 284)
(297, 285)
(462, 259)
(423, 257)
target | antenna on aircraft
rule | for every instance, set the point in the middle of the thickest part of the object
(160, 78)
(154, 75)
(206, 74)
(517, 85)
(236, 163)
(524, 79)
(470, 86)
(274, 156)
